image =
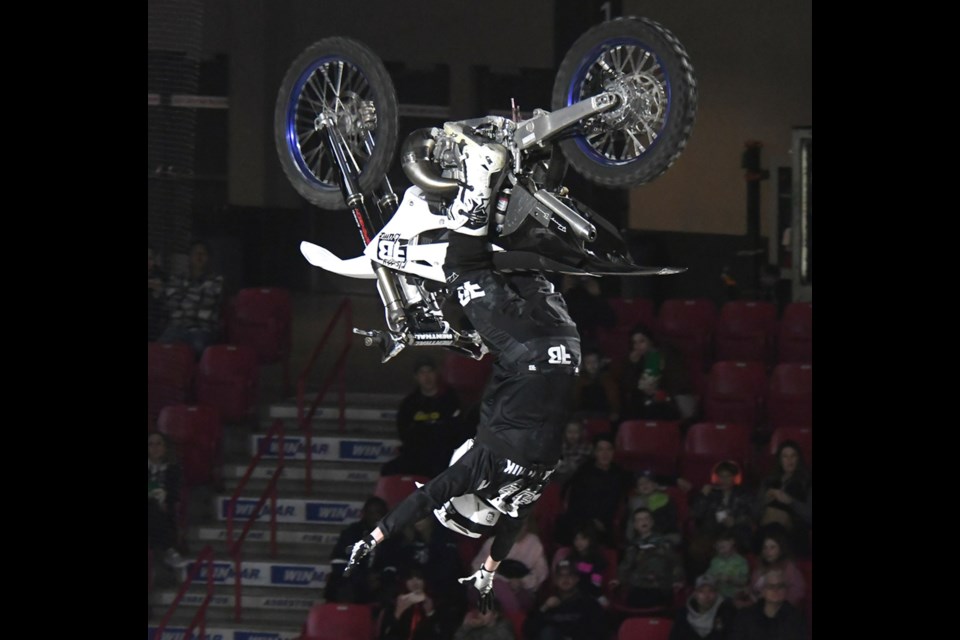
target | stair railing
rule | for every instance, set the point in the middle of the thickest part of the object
(235, 547)
(199, 621)
(336, 373)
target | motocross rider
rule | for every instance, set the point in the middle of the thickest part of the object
(494, 479)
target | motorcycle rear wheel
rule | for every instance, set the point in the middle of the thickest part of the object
(638, 140)
(344, 79)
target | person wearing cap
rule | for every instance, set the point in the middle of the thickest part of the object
(427, 424)
(567, 612)
(706, 616)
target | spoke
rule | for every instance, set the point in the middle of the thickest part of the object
(608, 146)
(330, 175)
(641, 61)
(339, 76)
(336, 94)
(318, 91)
(636, 142)
(312, 154)
(615, 59)
(306, 137)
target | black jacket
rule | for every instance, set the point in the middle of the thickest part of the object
(753, 624)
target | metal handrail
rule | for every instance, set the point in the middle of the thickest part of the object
(304, 418)
(235, 547)
(200, 617)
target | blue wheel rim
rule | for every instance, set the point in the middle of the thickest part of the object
(581, 75)
(294, 103)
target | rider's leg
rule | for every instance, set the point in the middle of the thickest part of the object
(466, 475)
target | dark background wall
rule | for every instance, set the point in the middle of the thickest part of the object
(753, 61)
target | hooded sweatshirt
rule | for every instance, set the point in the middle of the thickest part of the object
(702, 622)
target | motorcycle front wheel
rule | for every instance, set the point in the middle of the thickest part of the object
(639, 139)
(342, 81)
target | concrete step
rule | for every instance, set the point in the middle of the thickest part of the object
(341, 473)
(370, 407)
(262, 605)
(224, 629)
(351, 428)
(316, 540)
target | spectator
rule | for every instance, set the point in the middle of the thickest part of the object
(651, 570)
(412, 614)
(575, 451)
(428, 425)
(708, 615)
(773, 617)
(164, 480)
(364, 585)
(650, 495)
(588, 560)
(587, 306)
(596, 393)
(521, 573)
(433, 550)
(485, 626)
(156, 308)
(775, 554)
(568, 613)
(649, 380)
(729, 569)
(724, 507)
(597, 493)
(785, 500)
(194, 302)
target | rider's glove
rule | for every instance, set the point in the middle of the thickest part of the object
(483, 581)
(359, 551)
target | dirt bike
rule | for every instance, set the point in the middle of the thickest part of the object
(623, 107)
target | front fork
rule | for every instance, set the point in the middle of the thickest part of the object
(389, 284)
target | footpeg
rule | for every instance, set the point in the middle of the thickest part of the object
(390, 343)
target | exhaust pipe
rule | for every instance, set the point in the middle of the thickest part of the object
(416, 163)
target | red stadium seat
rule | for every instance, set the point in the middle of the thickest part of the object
(262, 318)
(228, 379)
(736, 392)
(746, 331)
(394, 488)
(790, 395)
(517, 618)
(596, 425)
(631, 311)
(649, 444)
(645, 628)
(795, 335)
(466, 376)
(688, 325)
(545, 511)
(338, 621)
(170, 375)
(197, 433)
(707, 443)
